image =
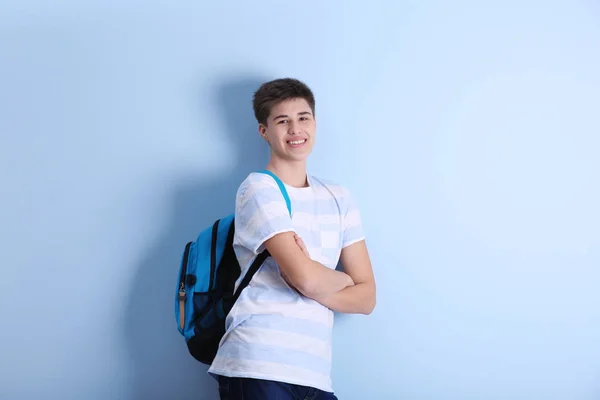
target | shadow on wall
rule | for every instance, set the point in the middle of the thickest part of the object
(162, 367)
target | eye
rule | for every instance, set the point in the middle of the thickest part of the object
(282, 121)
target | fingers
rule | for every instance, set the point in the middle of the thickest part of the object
(299, 241)
(301, 244)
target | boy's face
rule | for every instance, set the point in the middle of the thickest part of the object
(290, 130)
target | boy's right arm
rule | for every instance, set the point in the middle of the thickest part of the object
(308, 276)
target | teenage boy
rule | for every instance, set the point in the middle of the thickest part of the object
(278, 339)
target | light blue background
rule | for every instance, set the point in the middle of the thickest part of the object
(469, 135)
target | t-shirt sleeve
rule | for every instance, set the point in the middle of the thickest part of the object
(352, 222)
(260, 213)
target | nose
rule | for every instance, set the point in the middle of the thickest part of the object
(293, 128)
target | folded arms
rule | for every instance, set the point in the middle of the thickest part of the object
(352, 291)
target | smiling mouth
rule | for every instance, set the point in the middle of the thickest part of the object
(297, 142)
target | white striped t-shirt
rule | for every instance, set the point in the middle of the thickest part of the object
(272, 331)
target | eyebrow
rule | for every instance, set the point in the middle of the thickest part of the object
(287, 116)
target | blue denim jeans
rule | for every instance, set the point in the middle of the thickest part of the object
(258, 389)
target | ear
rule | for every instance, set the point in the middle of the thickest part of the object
(262, 130)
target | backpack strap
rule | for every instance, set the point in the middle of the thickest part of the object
(281, 187)
(260, 259)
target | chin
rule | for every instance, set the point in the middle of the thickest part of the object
(296, 157)
(300, 155)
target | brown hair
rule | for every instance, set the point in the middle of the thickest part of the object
(271, 93)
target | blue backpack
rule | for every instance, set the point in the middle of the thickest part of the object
(205, 287)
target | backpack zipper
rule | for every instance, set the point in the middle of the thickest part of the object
(213, 255)
(182, 292)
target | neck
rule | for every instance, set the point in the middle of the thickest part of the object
(292, 173)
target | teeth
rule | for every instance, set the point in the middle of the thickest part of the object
(297, 141)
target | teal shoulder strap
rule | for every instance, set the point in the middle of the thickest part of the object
(281, 187)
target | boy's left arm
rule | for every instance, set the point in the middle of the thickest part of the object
(360, 298)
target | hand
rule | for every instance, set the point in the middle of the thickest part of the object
(302, 246)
